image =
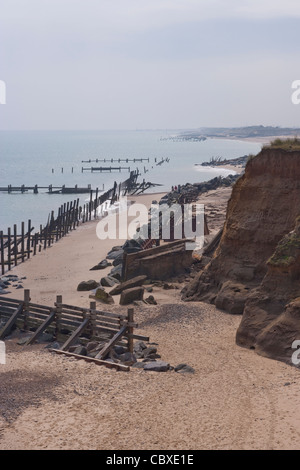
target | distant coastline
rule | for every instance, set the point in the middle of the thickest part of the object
(259, 134)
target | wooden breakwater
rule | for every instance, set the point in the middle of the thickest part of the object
(51, 189)
(102, 169)
(112, 160)
(19, 244)
(70, 324)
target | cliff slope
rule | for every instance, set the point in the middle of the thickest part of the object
(254, 271)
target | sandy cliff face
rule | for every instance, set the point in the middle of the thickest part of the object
(250, 273)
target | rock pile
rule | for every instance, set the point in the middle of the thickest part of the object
(10, 280)
(144, 356)
(193, 191)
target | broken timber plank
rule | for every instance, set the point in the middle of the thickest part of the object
(75, 334)
(7, 327)
(101, 354)
(41, 328)
(99, 362)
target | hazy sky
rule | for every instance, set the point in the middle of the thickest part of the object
(141, 64)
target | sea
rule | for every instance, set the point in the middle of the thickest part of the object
(57, 158)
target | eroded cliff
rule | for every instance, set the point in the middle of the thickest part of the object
(255, 271)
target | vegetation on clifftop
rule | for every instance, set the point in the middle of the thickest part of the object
(285, 144)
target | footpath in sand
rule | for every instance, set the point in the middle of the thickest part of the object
(234, 400)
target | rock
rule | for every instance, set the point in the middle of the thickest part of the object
(148, 351)
(54, 345)
(139, 347)
(102, 296)
(138, 365)
(184, 368)
(114, 254)
(116, 272)
(232, 297)
(131, 244)
(45, 338)
(102, 265)
(119, 350)
(118, 260)
(19, 286)
(116, 281)
(92, 345)
(134, 282)
(167, 286)
(87, 285)
(128, 359)
(158, 366)
(151, 300)
(129, 295)
(117, 248)
(81, 350)
(108, 281)
(23, 340)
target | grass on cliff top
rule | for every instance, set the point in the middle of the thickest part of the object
(285, 144)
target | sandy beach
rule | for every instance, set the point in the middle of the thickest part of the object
(234, 400)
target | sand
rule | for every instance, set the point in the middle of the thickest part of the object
(234, 400)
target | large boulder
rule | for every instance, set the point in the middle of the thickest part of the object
(130, 295)
(102, 265)
(102, 296)
(134, 282)
(108, 281)
(158, 366)
(87, 285)
(114, 254)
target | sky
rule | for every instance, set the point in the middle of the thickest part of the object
(148, 64)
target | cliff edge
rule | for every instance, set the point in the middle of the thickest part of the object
(255, 270)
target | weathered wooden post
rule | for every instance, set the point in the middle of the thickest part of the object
(2, 252)
(93, 318)
(15, 245)
(58, 311)
(130, 313)
(23, 241)
(26, 307)
(8, 248)
(28, 238)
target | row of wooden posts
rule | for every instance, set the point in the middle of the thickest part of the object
(69, 324)
(16, 247)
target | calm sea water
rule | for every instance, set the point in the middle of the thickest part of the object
(55, 157)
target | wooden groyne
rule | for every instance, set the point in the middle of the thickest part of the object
(50, 189)
(18, 245)
(70, 324)
(119, 160)
(102, 169)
